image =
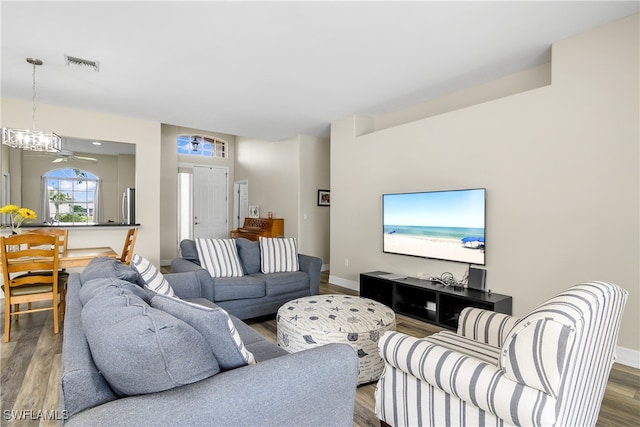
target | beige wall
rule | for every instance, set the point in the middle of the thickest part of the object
(561, 168)
(314, 220)
(272, 170)
(91, 125)
(284, 178)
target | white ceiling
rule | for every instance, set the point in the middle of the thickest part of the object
(272, 70)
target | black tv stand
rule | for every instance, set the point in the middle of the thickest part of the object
(429, 301)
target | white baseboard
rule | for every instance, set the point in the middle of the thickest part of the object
(349, 284)
(624, 356)
(325, 267)
(165, 262)
(628, 357)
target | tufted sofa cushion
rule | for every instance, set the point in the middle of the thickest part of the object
(110, 286)
(103, 267)
(139, 349)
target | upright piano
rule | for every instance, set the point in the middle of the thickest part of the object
(253, 228)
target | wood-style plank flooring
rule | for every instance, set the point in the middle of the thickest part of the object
(30, 371)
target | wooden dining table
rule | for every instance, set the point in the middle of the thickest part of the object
(80, 257)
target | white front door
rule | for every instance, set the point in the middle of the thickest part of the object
(210, 209)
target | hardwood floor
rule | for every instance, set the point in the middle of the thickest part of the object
(30, 370)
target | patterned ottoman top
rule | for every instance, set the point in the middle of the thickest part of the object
(336, 313)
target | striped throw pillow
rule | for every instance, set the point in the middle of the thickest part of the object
(152, 278)
(219, 257)
(278, 255)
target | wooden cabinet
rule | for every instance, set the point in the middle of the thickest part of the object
(253, 228)
(429, 301)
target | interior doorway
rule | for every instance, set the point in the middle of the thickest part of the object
(240, 202)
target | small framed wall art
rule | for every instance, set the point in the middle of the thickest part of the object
(324, 198)
(254, 211)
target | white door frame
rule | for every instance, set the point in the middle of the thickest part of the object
(237, 208)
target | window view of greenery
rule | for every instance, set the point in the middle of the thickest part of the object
(71, 195)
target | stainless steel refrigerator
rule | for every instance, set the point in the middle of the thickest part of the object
(129, 206)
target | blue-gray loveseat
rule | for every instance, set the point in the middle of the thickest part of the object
(130, 358)
(255, 293)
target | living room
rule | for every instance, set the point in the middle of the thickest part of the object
(556, 147)
(558, 178)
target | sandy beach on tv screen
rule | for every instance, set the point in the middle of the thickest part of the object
(432, 248)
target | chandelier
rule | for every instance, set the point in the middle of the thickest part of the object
(33, 139)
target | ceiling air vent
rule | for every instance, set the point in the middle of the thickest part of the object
(73, 60)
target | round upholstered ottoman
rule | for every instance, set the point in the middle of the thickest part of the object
(322, 319)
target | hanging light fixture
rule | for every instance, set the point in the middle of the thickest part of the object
(194, 143)
(33, 139)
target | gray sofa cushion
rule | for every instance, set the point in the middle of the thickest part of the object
(233, 288)
(139, 349)
(102, 267)
(189, 251)
(215, 325)
(284, 283)
(249, 253)
(108, 285)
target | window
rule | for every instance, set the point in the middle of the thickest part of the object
(72, 196)
(199, 145)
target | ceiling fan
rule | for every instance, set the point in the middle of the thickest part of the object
(65, 155)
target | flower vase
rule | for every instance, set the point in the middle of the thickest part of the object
(14, 248)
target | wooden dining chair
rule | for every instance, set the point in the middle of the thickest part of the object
(129, 244)
(62, 233)
(63, 276)
(30, 270)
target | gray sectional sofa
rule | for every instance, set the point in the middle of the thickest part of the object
(132, 357)
(254, 294)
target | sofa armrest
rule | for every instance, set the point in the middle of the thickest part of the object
(187, 284)
(471, 380)
(485, 326)
(180, 265)
(311, 265)
(310, 388)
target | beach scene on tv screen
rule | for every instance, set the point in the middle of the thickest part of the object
(445, 225)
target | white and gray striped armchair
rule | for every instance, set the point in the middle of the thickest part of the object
(548, 368)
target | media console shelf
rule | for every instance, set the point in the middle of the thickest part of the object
(428, 301)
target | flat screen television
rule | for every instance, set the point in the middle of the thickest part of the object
(447, 225)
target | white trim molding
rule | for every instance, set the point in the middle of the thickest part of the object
(628, 357)
(349, 284)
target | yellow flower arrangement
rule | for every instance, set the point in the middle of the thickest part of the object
(18, 215)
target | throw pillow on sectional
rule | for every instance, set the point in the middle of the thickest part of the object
(151, 277)
(102, 267)
(249, 253)
(188, 251)
(278, 254)
(219, 257)
(215, 325)
(139, 349)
